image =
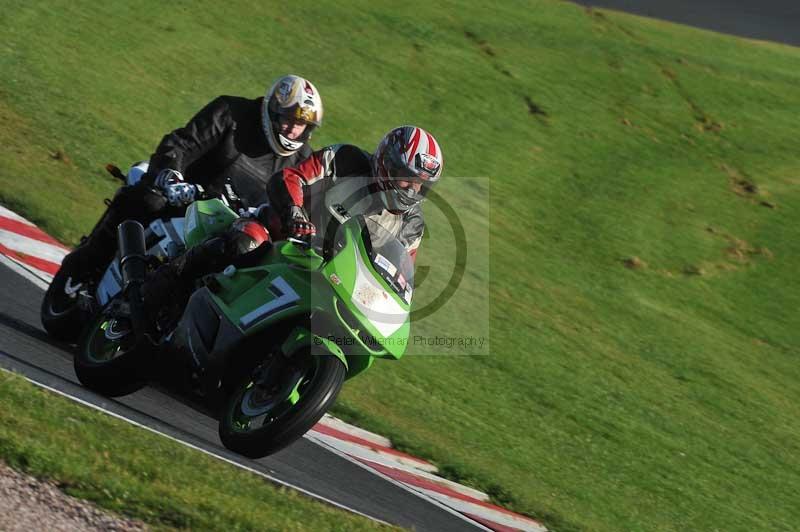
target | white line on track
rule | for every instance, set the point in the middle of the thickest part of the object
(34, 275)
(202, 450)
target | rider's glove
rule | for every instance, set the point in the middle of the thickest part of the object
(181, 194)
(167, 177)
(297, 225)
(177, 192)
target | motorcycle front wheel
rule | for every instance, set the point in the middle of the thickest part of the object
(279, 401)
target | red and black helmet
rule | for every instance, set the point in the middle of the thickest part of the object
(407, 154)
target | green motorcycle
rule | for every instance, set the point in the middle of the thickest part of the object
(271, 339)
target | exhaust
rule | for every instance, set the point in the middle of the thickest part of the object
(133, 265)
(133, 261)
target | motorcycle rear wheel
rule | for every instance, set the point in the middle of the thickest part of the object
(274, 406)
(61, 316)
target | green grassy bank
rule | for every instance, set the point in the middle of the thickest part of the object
(143, 475)
(641, 246)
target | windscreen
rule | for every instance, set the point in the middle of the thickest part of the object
(390, 259)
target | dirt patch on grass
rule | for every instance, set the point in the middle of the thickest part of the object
(634, 263)
(534, 108)
(694, 269)
(740, 182)
(744, 186)
(481, 43)
(489, 53)
(602, 20)
(741, 251)
(736, 253)
(59, 155)
(703, 121)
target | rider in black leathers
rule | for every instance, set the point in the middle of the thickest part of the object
(232, 140)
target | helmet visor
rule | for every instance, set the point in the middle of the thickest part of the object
(410, 184)
(298, 113)
(285, 125)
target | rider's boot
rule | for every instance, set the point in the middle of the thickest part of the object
(95, 251)
(173, 282)
(89, 259)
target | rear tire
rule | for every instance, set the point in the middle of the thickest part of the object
(319, 384)
(61, 316)
(108, 365)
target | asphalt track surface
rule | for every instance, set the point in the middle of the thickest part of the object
(26, 348)
(769, 20)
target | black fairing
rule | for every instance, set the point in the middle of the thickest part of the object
(204, 339)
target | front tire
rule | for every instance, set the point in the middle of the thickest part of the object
(108, 360)
(61, 316)
(278, 402)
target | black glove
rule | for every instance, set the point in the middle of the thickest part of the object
(297, 225)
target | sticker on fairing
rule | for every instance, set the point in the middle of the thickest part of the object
(284, 297)
(372, 300)
(384, 263)
(191, 220)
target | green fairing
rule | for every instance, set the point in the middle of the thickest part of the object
(205, 219)
(292, 281)
(345, 267)
(308, 259)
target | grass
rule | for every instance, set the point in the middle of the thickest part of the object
(143, 475)
(659, 393)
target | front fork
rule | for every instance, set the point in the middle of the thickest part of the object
(300, 337)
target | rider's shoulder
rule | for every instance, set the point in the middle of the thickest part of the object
(235, 105)
(229, 99)
(349, 158)
(347, 150)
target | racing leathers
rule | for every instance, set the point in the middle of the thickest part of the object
(337, 178)
(340, 177)
(222, 144)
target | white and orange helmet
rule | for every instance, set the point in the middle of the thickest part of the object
(410, 154)
(295, 98)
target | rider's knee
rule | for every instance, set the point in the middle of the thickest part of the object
(136, 172)
(245, 235)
